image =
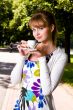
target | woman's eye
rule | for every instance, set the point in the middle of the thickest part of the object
(33, 29)
(41, 28)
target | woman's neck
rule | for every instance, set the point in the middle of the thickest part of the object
(49, 47)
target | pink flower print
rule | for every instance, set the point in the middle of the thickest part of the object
(25, 75)
(36, 88)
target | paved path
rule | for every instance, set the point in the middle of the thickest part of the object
(63, 95)
(7, 62)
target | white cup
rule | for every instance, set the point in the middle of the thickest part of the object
(31, 44)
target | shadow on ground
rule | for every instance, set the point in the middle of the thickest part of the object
(4, 81)
(6, 68)
(5, 71)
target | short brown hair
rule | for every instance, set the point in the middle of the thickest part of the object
(44, 18)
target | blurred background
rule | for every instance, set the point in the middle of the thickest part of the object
(14, 16)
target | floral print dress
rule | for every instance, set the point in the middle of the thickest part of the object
(31, 94)
(38, 83)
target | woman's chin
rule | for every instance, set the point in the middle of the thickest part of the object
(39, 40)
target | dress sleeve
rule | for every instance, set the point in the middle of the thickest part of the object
(50, 79)
(17, 71)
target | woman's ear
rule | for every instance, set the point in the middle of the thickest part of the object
(52, 27)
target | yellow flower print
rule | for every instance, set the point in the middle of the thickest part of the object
(24, 76)
(37, 72)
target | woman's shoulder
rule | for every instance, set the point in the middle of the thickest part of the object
(60, 52)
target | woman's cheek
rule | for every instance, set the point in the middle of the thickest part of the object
(34, 34)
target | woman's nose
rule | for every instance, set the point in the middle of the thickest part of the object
(37, 32)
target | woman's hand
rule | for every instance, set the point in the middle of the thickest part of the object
(22, 48)
(42, 48)
(39, 51)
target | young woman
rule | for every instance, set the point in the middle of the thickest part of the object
(40, 72)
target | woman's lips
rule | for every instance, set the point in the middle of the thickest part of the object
(39, 37)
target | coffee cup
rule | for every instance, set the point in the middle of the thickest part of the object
(31, 44)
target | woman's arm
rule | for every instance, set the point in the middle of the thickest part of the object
(50, 79)
(17, 71)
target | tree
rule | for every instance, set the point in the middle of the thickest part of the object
(5, 16)
(64, 14)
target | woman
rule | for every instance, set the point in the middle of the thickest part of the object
(40, 72)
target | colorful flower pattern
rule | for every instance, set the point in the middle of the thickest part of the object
(38, 92)
(34, 94)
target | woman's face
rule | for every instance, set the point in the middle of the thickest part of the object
(42, 34)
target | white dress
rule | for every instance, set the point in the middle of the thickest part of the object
(39, 79)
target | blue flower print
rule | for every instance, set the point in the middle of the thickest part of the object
(42, 100)
(17, 105)
(30, 96)
(29, 64)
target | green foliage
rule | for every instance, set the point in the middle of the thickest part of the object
(5, 16)
(5, 10)
(22, 11)
(71, 57)
(64, 4)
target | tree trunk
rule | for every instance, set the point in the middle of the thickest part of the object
(67, 44)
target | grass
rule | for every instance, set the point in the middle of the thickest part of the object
(71, 58)
(68, 73)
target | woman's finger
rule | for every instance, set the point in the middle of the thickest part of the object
(23, 42)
